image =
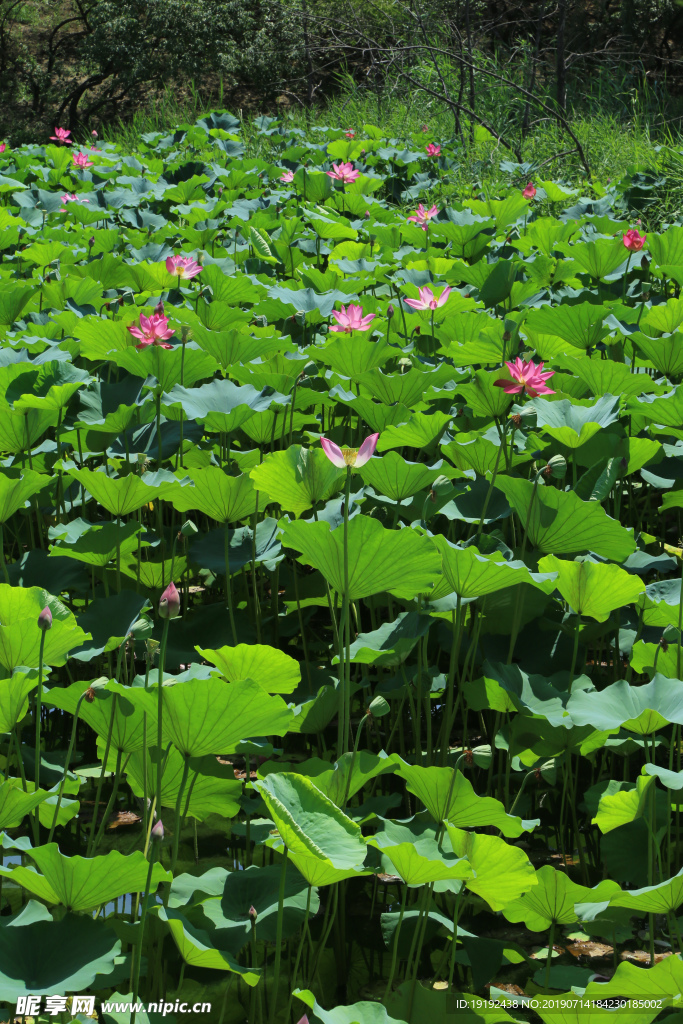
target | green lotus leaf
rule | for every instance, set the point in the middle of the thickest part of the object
(310, 823)
(661, 603)
(220, 406)
(298, 478)
(209, 716)
(390, 644)
(81, 883)
(15, 804)
(470, 574)
(449, 796)
(397, 479)
(502, 872)
(620, 808)
(599, 259)
(55, 957)
(15, 491)
(529, 692)
(13, 298)
(581, 325)
(51, 386)
(347, 775)
(666, 409)
(109, 620)
(20, 430)
(316, 871)
(167, 366)
(663, 898)
(379, 559)
(593, 588)
(227, 499)
(422, 432)
(353, 355)
(672, 780)
(119, 495)
(358, 1013)
(664, 353)
(664, 982)
(641, 709)
(559, 522)
(14, 693)
(273, 670)
(573, 423)
(19, 632)
(606, 377)
(412, 851)
(404, 388)
(196, 948)
(232, 347)
(95, 544)
(211, 786)
(550, 901)
(110, 706)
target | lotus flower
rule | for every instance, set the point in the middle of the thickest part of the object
(71, 197)
(422, 216)
(169, 602)
(351, 319)
(341, 457)
(526, 377)
(157, 832)
(433, 150)
(3, 147)
(350, 135)
(425, 129)
(634, 241)
(45, 620)
(287, 177)
(529, 192)
(62, 135)
(182, 266)
(428, 300)
(153, 330)
(343, 172)
(81, 160)
(94, 134)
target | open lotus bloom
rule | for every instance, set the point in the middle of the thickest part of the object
(422, 216)
(529, 192)
(357, 457)
(3, 147)
(526, 377)
(351, 319)
(62, 135)
(343, 172)
(287, 177)
(153, 330)
(182, 266)
(349, 135)
(634, 241)
(81, 160)
(432, 149)
(71, 197)
(428, 300)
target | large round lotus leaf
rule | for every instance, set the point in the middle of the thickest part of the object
(83, 883)
(19, 633)
(16, 491)
(109, 708)
(15, 804)
(358, 1013)
(119, 495)
(197, 949)
(310, 823)
(502, 872)
(379, 559)
(96, 544)
(641, 709)
(211, 786)
(274, 670)
(62, 957)
(259, 887)
(573, 423)
(664, 982)
(227, 499)
(470, 574)
(551, 900)
(561, 523)
(390, 644)
(412, 850)
(14, 692)
(298, 478)
(449, 796)
(616, 809)
(593, 588)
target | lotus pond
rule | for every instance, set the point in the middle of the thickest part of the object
(340, 639)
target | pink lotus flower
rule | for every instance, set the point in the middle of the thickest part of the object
(81, 160)
(428, 300)
(422, 216)
(71, 197)
(182, 266)
(341, 457)
(529, 192)
(169, 602)
(94, 134)
(425, 129)
(433, 150)
(526, 377)
(350, 135)
(287, 177)
(153, 330)
(62, 135)
(3, 147)
(634, 241)
(351, 319)
(343, 172)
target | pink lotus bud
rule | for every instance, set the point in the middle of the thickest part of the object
(94, 134)
(304, 1020)
(158, 830)
(390, 311)
(45, 620)
(253, 913)
(169, 602)
(159, 309)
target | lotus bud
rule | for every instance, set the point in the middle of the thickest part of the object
(379, 707)
(367, 215)
(253, 913)
(304, 1020)
(158, 831)
(506, 336)
(645, 264)
(557, 467)
(159, 309)
(300, 317)
(390, 311)
(45, 620)
(188, 529)
(91, 241)
(169, 602)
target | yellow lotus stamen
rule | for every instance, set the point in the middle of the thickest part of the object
(350, 456)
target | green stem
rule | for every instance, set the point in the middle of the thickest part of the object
(362, 722)
(177, 818)
(110, 804)
(551, 940)
(137, 955)
(38, 708)
(160, 708)
(397, 935)
(228, 586)
(345, 697)
(72, 740)
(278, 936)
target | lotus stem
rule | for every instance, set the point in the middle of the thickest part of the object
(397, 935)
(160, 707)
(177, 819)
(278, 936)
(72, 740)
(137, 954)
